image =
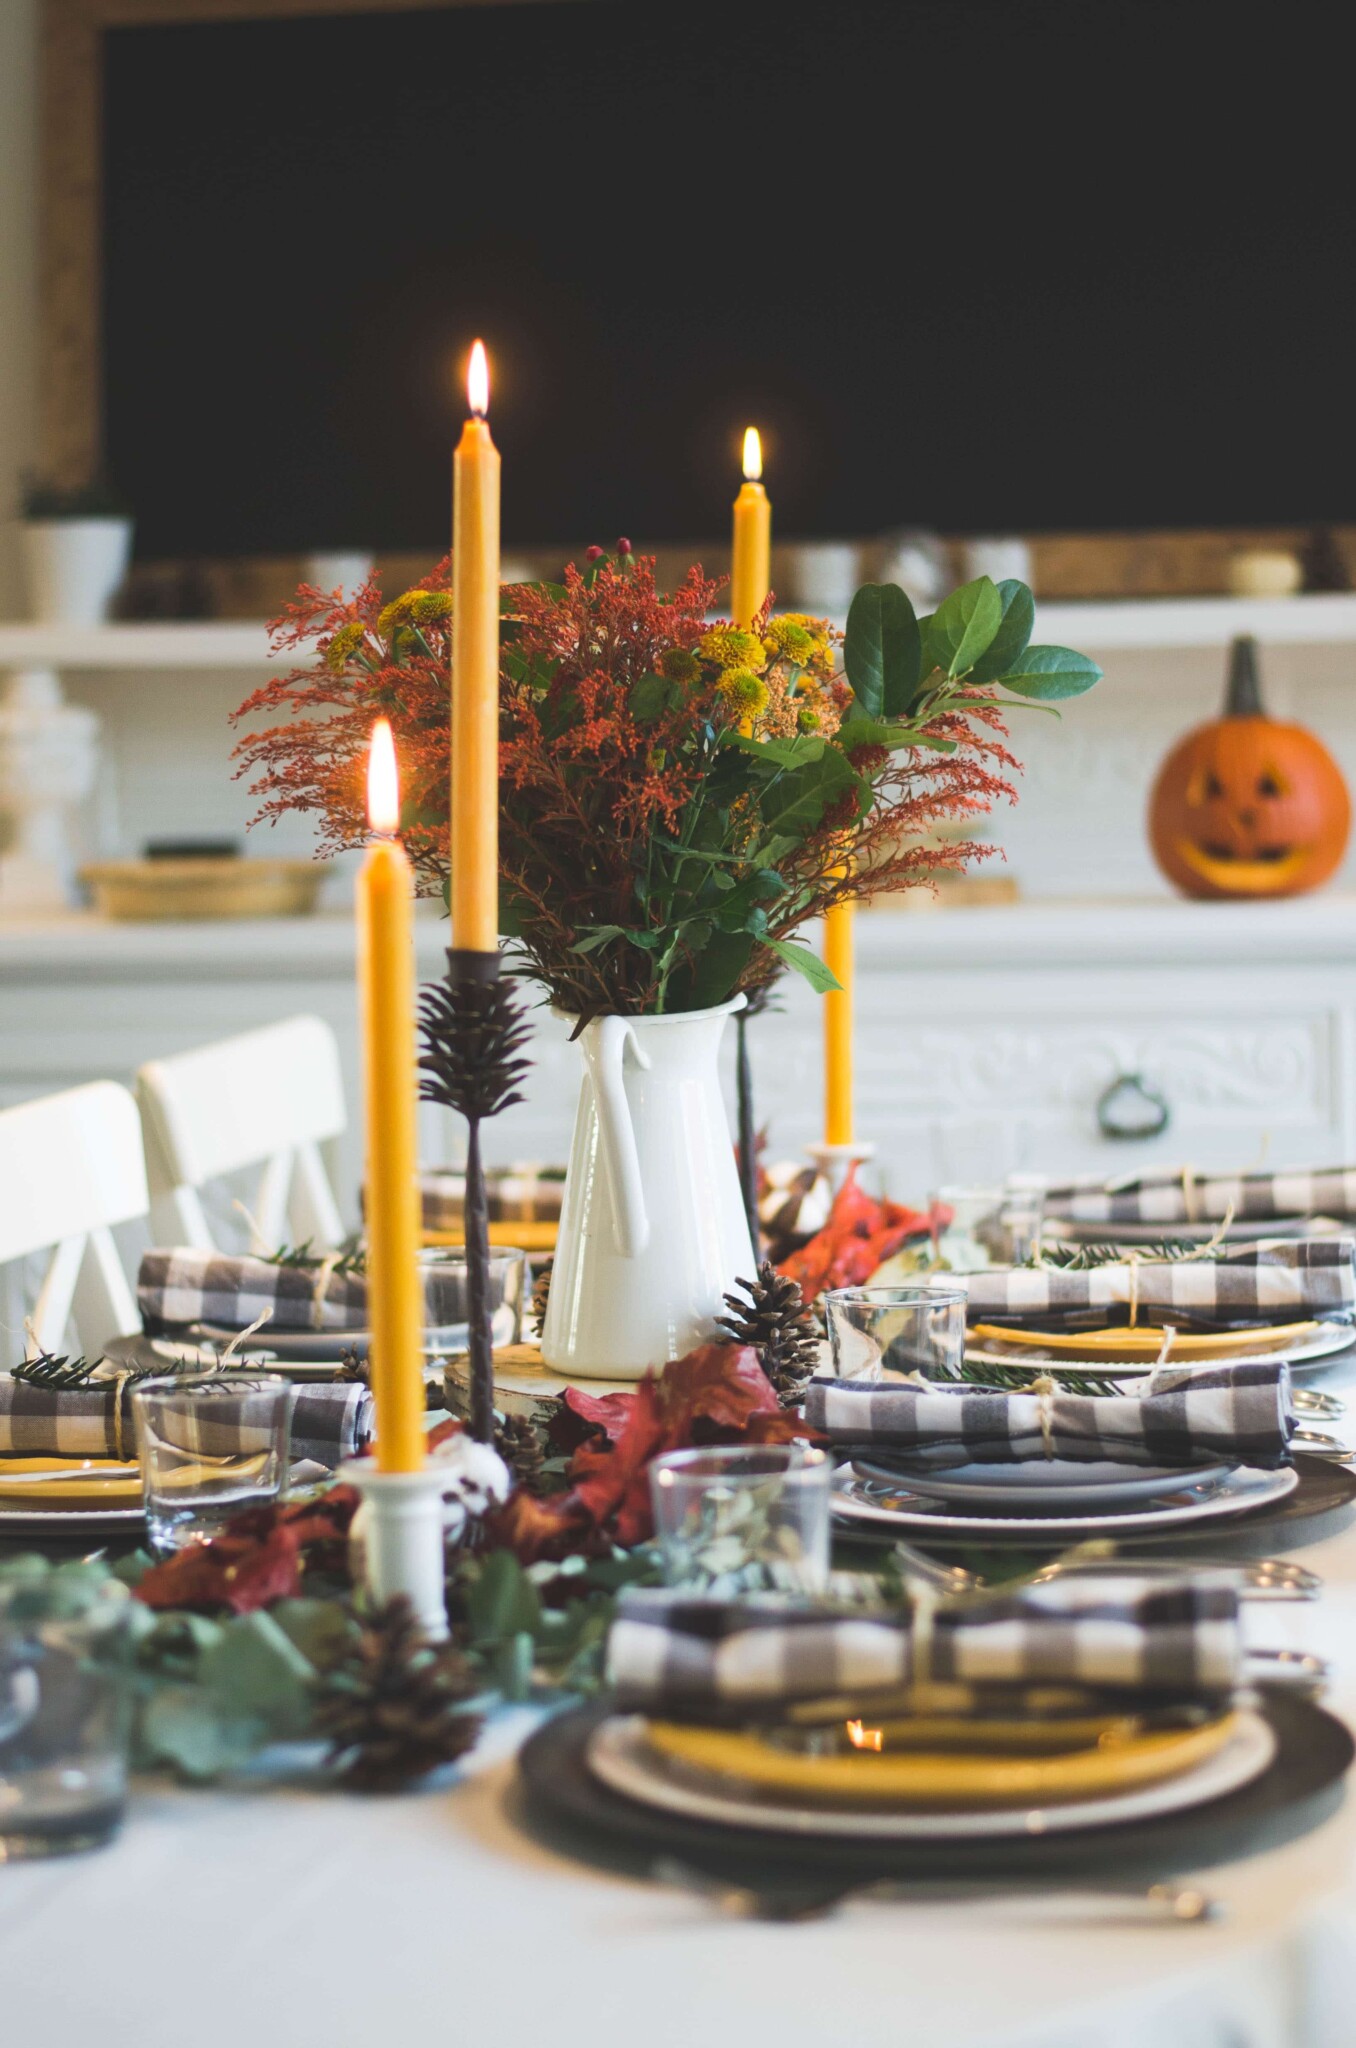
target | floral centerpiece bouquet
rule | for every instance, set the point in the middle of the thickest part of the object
(679, 797)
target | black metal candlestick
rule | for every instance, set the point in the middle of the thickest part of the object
(473, 1031)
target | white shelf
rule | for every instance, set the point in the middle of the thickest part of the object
(1150, 622)
(1138, 623)
(210, 644)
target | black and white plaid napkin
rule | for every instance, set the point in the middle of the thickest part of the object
(1240, 1412)
(672, 1652)
(328, 1423)
(1186, 1197)
(526, 1193)
(178, 1285)
(1246, 1284)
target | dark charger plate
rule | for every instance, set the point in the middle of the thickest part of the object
(579, 1815)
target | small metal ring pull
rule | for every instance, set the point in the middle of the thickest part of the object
(1131, 1109)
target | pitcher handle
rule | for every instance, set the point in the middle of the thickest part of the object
(605, 1044)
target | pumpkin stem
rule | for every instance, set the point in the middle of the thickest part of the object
(1243, 697)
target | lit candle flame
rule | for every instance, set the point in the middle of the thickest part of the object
(383, 784)
(865, 1738)
(753, 455)
(478, 381)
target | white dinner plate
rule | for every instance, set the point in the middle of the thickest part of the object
(1058, 1482)
(619, 1755)
(71, 1521)
(894, 1505)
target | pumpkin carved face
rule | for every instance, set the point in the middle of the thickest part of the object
(1246, 806)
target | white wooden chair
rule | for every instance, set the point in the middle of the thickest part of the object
(266, 1099)
(71, 1168)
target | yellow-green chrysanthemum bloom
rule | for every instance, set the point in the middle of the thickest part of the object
(786, 640)
(344, 642)
(396, 613)
(427, 607)
(808, 718)
(732, 647)
(743, 693)
(679, 665)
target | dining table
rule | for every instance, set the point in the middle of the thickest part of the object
(273, 1910)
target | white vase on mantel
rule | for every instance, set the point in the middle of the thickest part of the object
(75, 568)
(652, 1226)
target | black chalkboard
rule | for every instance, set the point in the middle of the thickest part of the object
(984, 265)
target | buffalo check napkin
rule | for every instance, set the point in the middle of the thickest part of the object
(179, 1285)
(671, 1653)
(1246, 1284)
(328, 1423)
(1240, 1413)
(1186, 1197)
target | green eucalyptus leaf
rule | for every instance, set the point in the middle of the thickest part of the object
(709, 978)
(882, 651)
(183, 1725)
(599, 936)
(797, 800)
(788, 753)
(965, 626)
(256, 1671)
(1052, 672)
(805, 962)
(1009, 642)
(501, 1601)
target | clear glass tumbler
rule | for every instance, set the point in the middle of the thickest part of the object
(445, 1296)
(210, 1447)
(65, 1702)
(739, 1519)
(896, 1329)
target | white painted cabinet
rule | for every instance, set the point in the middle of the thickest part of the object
(984, 1037)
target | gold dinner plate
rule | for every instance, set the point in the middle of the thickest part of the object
(938, 1779)
(1094, 1345)
(43, 1483)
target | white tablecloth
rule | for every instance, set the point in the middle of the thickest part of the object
(274, 1917)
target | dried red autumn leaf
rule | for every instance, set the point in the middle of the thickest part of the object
(860, 1235)
(718, 1394)
(260, 1556)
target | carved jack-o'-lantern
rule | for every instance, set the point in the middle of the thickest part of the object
(1247, 806)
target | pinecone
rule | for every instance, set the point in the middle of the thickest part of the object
(352, 1366)
(393, 1707)
(775, 1320)
(541, 1289)
(472, 1035)
(518, 1442)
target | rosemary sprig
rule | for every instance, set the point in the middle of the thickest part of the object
(1081, 1258)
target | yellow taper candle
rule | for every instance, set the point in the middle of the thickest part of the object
(752, 568)
(838, 1026)
(475, 673)
(386, 986)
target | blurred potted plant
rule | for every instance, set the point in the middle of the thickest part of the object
(77, 544)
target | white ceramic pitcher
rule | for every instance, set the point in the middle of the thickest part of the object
(652, 1226)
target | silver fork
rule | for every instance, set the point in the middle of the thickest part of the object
(1160, 1904)
(1259, 1578)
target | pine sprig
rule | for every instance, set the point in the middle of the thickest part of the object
(473, 1036)
(65, 1375)
(345, 1260)
(1083, 1258)
(1019, 1379)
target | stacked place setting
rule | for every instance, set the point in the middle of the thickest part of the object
(1140, 1394)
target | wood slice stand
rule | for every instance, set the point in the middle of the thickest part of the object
(523, 1386)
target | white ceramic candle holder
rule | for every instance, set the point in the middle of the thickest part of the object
(835, 1161)
(403, 1538)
